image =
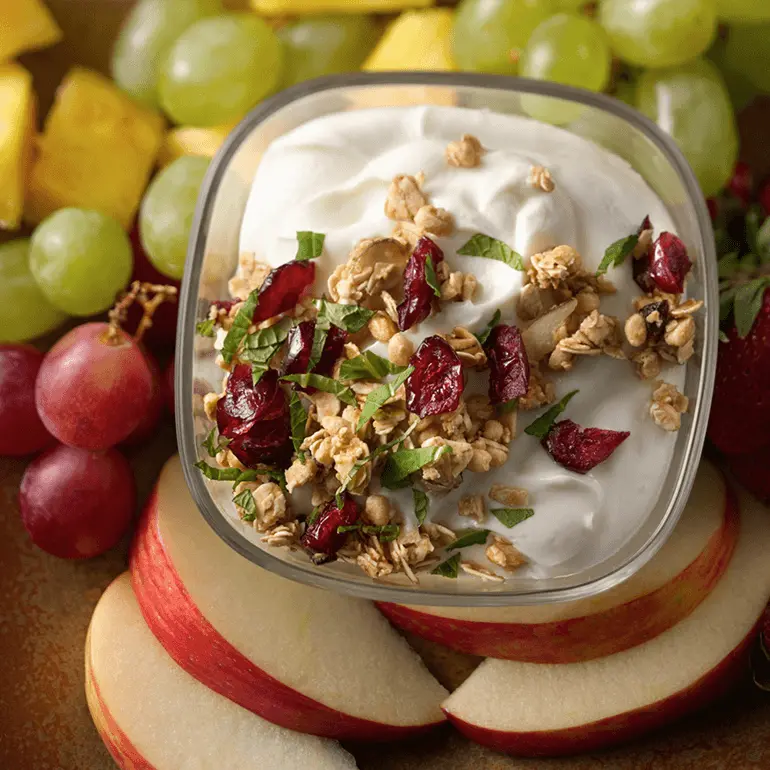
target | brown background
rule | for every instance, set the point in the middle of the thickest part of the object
(45, 603)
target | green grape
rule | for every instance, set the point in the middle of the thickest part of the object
(659, 33)
(569, 5)
(219, 69)
(324, 45)
(25, 313)
(488, 35)
(743, 10)
(747, 52)
(81, 259)
(742, 91)
(145, 38)
(167, 211)
(691, 103)
(565, 49)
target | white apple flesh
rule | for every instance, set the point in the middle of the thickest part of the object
(154, 716)
(665, 590)
(550, 709)
(303, 658)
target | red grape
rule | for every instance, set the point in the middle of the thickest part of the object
(75, 503)
(151, 417)
(21, 431)
(93, 390)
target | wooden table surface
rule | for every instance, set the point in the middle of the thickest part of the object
(45, 603)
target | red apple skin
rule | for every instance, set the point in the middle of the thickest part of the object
(125, 754)
(622, 727)
(592, 636)
(199, 649)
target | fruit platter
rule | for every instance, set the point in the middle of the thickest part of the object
(443, 443)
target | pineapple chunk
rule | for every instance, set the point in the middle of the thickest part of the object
(17, 131)
(416, 40)
(188, 140)
(299, 7)
(25, 25)
(97, 151)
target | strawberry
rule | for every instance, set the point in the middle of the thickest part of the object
(751, 471)
(741, 183)
(740, 411)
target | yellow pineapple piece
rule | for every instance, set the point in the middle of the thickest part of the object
(25, 25)
(299, 7)
(189, 140)
(17, 132)
(416, 40)
(97, 150)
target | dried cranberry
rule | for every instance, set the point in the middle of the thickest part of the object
(641, 264)
(581, 449)
(436, 384)
(656, 317)
(669, 263)
(283, 288)
(508, 364)
(255, 417)
(225, 304)
(300, 346)
(418, 295)
(321, 537)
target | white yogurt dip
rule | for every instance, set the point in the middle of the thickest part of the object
(332, 174)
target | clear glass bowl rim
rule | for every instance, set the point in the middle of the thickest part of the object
(187, 319)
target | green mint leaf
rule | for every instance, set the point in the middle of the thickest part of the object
(448, 568)
(257, 370)
(385, 532)
(368, 366)
(483, 336)
(319, 340)
(509, 406)
(214, 443)
(240, 327)
(616, 253)
(314, 514)
(260, 347)
(510, 517)
(543, 424)
(431, 278)
(723, 337)
(380, 395)
(298, 421)
(402, 464)
(748, 303)
(205, 328)
(351, 318)
(235, 475)
(326, 384)
(309, 245)
(471, 537)
(245, 501)
(421, 502)
(343, 529)
(481, 245)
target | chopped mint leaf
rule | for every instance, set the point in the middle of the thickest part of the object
(617, 252)
(380, 395)
(481, 245)
(448, 568)
(748, 303)
(309, 245)
(214, 443)
(240, 327)
(320, 333)
(483, 336)
(259, 348)
(510, 517)
(385, 532)
(368, 366)
(236, 475)
(351, 318)
(298, 421)
(326, 384)
(400, 465)
(205, 328)
(543, 424)
(509, 406)
(245, 501)
(314, 514)
(431, 278)
(420, 505)
(470, 537)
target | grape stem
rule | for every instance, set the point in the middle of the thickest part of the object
(150, 297)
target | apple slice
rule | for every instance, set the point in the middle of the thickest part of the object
(544, 709)
(668, 588)
(303, 658)
(151, 715)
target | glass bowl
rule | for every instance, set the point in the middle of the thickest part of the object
(213, 255)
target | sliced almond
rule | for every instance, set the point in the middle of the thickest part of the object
(538, 337)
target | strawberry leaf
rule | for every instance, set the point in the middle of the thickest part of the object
(748, 303)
